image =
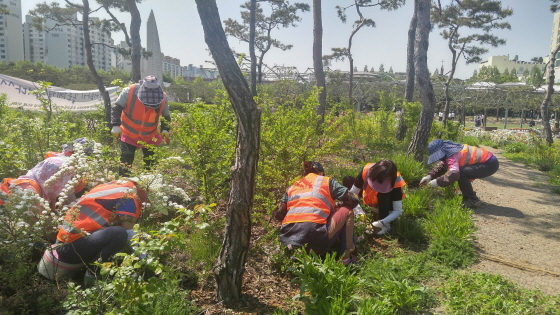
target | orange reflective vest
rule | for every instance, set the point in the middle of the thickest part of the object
(89, 216)
(369, 194)
(473, 155)
(140, 122)
(309, 200)
(23, 183)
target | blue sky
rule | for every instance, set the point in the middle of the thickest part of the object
(181, 34)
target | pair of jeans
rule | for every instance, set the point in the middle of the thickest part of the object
(474, 171)
(103, 243)
(127, 157)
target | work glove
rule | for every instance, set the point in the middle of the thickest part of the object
(433, 183)
(116, 131)
(425, 180)
(165, 136)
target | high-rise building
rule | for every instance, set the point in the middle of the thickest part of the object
(63, 45)
(121, 62)
(11, 33)
(172, 66)
(153, 65)
(555, 40)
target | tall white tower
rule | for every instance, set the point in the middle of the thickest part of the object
(11, 32)
(154, 64)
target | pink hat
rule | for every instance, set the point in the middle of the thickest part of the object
(383, 187)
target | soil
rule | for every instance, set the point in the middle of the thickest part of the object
(518, 232)
(518, 237)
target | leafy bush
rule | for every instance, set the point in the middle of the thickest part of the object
(479, 293)
(326, 286)
(206, 135)
(411, 170)
(394, 285)
(451, 231)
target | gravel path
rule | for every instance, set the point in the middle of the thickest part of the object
(518, 227)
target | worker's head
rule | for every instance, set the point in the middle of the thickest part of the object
(150, 92)
(313, 167)
(382, 176)
(440, 149)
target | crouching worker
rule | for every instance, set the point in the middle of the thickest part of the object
(88, 233)
(459, 163)
(381, 187)
(310, 217)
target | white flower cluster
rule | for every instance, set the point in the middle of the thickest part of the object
(503, 136)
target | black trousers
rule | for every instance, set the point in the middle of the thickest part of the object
(127, 157)
(475, 171)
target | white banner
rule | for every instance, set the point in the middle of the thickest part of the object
(19, 96)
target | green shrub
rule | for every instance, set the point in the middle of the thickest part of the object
(206, 137)
(411, 170)
(480, 293)
(393, 286)
(326, 286)
(451, 231)
(471, 140)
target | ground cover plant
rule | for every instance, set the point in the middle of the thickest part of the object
(420, 267)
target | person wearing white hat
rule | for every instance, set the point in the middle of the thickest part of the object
(381, 188)
(459, 163)
(135, 117)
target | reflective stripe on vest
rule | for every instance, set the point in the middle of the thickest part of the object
(472, 155)
(92, 216)
(139, 121)
(369, 195)
(309, 200)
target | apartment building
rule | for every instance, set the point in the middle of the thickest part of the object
(63, 45)
(122, 62)
(11, 33)
(172, 66)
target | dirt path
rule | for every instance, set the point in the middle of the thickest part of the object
(519, 226)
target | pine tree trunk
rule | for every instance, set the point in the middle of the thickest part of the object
(89, 59)
(136, 54)
(425, 88)
(550, 89)
(318, 59)
(410, 72)
(252, 47)
(230, 265)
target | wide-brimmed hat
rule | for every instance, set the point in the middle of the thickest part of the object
(150, 92)
(384, 170)
(442, 148)
(383, 187)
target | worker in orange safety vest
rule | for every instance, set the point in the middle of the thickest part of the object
(311, 218)
(460, 163)
(95, 229)
(381, 188)
(135, 119)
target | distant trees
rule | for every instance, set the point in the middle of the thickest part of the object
(283, 15)
(482, 15)
(342, 53)
(75, 78)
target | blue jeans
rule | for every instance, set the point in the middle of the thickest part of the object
(103, 243)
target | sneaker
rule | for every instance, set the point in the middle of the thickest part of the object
(472, 203)
(352, 260)
(380, 228)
